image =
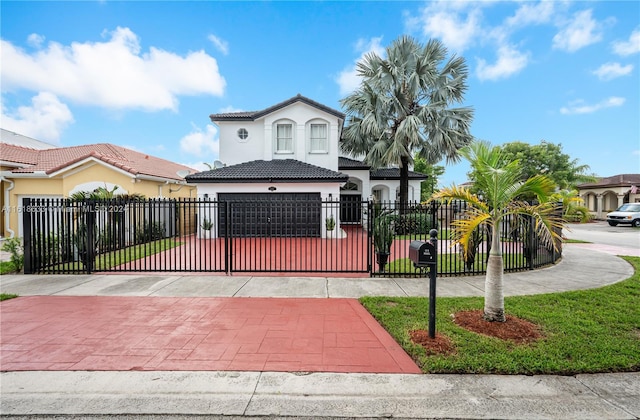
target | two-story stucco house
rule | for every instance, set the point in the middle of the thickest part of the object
(290, 151)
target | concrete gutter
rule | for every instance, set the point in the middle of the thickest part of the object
(270, 394)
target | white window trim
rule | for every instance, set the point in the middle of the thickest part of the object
(275, 137)
(310, 142)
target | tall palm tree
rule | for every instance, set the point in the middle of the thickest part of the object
(405, 104)
(499, 183)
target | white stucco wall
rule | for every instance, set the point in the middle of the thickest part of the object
(328, 191)
(390, 187)
(260, 143)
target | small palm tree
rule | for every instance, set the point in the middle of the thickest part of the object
(499, 183)
(573, 206)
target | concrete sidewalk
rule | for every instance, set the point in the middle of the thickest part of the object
(281, 394)
(580, 268)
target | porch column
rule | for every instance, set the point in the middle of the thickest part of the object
(599, 206)
(620, 200)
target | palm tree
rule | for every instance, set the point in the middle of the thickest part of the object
(405, 105)
(499, 182)
(573, 206)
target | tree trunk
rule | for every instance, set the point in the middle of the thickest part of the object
(404, 184)
(493, 288)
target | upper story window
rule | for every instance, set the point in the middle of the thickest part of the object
(318, 138)
(284, 138)
(243, 134)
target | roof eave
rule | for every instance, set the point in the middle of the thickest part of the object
(268, 181)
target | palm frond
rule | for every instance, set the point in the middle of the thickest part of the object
(465, 227)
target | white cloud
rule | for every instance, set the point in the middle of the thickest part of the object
(456, 23)
(579, 107)
(112, 74)
(44, 120)
(35, 40)
(610, 71)
(229, 109)
(532, 14)
(632, 46)
(348, 79)
(220, 44)
(201, 143)
(509, 62)
(583, 30)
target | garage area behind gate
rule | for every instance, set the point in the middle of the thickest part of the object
(284, 233)
(275, 233)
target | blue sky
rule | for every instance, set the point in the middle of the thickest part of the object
(146, 75)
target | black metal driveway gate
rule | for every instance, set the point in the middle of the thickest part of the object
(289, 233)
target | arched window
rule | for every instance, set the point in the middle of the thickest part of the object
(284, 137)
(318, 134)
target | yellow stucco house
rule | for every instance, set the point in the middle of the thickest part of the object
(33, 169)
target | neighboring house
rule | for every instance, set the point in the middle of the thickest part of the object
(290, 151)
(59, 172)
(607, 194)
(9, 137)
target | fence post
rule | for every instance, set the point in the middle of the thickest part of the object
(26, 237)
(227, 237)
(90, 245)
(371, 216)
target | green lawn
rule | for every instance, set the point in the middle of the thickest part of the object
(7, 267)
(585, 331)
(575, 241)
(115, 258)
(448, 263)
(6, 296)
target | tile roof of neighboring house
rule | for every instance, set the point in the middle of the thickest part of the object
(9, 137)
(17, 155)
(254, 115)
(393, 174)
(280, 170)
(622, 180)
(348, 163)
(50, 161)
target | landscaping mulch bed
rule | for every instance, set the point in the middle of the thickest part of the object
(514, 329)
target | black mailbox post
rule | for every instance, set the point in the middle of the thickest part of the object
(424, 255)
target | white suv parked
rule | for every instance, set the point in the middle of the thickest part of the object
(628, 214)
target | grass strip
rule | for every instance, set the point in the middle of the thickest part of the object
(452, 263)
(7, 296)
(7, 267)
(121, 256)
(586, 331)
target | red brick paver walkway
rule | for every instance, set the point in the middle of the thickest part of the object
(155, 333)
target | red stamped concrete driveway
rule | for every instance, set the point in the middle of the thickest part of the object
(156, 333)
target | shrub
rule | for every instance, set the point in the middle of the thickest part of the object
(14, 247)
(150, 232)
(413, 223)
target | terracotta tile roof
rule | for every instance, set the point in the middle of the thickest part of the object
(50, 161)
(254, 115)
(279, 170)
(621, 180)
(18, 154)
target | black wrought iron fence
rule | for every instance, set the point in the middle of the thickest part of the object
(521, 248)
(300, 234)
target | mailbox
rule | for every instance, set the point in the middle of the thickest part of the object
(422, 254)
